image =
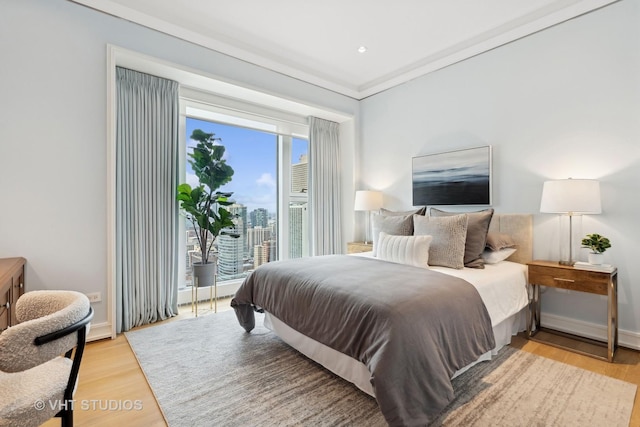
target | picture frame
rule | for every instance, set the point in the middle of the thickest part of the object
(460, 177)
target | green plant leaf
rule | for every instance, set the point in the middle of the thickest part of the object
(203, 204)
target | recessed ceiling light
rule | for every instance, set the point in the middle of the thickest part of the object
(362, 49)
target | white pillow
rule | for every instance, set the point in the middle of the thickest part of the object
(410, 250)
(494, 257)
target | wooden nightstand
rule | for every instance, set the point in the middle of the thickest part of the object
(357, 247)
(552, 274)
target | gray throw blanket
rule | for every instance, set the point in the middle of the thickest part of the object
(412, 327)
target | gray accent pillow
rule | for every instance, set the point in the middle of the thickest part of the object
(449, 234)
(419, 211)
(498, 241)
(395, 225)
(477, 229)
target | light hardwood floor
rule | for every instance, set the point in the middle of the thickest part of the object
(110, 376)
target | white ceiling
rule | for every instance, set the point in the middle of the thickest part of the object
(318, 41)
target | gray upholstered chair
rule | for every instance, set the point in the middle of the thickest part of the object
(38, 364)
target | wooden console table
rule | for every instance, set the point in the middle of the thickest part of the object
(11, 288)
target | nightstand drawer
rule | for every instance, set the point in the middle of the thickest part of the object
(577, 280)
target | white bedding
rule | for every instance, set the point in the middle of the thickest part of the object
(502, 287)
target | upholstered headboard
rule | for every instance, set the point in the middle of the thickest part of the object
(520, 228)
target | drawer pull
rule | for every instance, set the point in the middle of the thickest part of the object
(560, 279)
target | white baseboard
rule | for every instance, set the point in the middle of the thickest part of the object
(103, 330)
(590, 330)
(99, 331)
(596, 331)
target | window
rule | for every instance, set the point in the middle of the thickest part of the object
(269, 186)
(298, 199)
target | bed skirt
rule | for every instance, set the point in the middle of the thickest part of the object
(355, 371)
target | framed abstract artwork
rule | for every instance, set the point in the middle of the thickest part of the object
(461, 177)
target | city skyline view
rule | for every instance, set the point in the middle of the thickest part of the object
(253, 156)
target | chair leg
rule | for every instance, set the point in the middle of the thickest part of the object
(67, 418)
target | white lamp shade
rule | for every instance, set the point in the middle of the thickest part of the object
(367, 200)
(571, 196)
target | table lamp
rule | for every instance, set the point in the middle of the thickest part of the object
(368, 200)
(571, 197)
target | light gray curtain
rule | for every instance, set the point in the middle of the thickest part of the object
(326, 184)
(146, 207)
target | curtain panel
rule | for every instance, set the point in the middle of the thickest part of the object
(325, 177)
(147, 115)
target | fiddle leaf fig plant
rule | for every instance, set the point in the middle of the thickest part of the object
(597, 243)
(204, 205)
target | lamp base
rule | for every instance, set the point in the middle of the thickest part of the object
(570, 263)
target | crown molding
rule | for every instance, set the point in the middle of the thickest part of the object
(506, 33)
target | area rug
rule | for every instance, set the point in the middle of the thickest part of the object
(208, 371)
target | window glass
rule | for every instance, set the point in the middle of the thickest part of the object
(298, 201)
(254, 156)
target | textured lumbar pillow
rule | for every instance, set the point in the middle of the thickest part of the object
(449, 235)
(410, 250)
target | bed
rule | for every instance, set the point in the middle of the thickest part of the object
(351, 314)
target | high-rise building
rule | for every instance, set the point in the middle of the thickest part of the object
(260, 255)
(230, 256)
(300, 175)
(192, 244)
(257, 235)
(259, 217)
(232, 250)
(273, 249)
(264, 253)
(240, 213)
(298, 233)
(273, 226)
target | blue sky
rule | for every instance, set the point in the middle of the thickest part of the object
(253, 156)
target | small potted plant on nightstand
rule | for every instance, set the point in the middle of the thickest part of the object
(598, 244)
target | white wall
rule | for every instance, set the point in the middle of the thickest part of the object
(561, 103)
(53, 126)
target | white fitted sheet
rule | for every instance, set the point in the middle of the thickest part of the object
(502, 287)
